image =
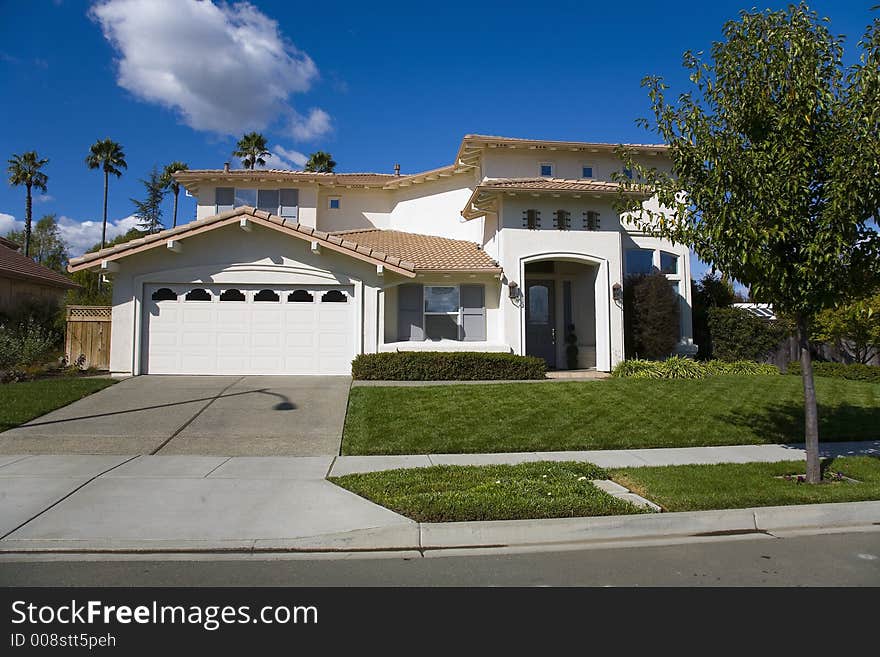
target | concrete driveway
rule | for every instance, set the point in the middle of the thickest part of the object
(205, 415)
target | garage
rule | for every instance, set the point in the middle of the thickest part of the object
(248, 329)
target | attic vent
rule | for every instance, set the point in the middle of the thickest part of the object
(532, 219)
(591, 220)
(562, 219)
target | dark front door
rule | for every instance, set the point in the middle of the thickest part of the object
(541, 321)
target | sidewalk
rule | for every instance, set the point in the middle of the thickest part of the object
(176, 504)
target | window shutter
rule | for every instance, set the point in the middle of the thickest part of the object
(410, 312)
(225, 197)
(473, 313)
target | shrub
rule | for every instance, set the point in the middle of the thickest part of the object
(684, 368)
(853, 371)
(738, 335)
(651, 316)
(27, 343)
(446, 366)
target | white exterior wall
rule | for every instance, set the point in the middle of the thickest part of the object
(358, 208)
(525, 163)
(434, 208)
(230, 255)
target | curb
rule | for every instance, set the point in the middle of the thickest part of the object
(425, 537)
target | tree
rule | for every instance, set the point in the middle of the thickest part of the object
(854, 328)
(107, 155)
(168, 182)
(651, 316)
(149, 211)
(775, 156)
(252, 148)
(92, 292)
(711, 291)
(24, 170)
(320, 162)
(46, 243)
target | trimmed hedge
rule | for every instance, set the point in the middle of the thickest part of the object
(853, 371)
(679, 367)
(446, 366)
(738, 335)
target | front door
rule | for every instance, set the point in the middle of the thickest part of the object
(541, 321)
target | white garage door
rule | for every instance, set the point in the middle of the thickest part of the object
(244, 329)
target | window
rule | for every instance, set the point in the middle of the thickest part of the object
(334, 296)
(587, 171)
(300, 296)
(441, 299)
(232, 295)
(164, 294)
(591, 220)
(628, 173)
(562, 219)
(668, 263)
(225, 197)
(532, 219)
(245, 197)
(198, 294)
(546, 169)
(289, 202)
(266, 295)
(639, 261)
(334, 203)
(267, 200)
(441, 312)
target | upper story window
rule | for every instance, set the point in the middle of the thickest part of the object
(532, 219)
(563, 219)
(668, 263)
(334, 203)
(591, 220)
(628, 173)
(546, 169)
(281, 202)
(639, 261)
(587, 171)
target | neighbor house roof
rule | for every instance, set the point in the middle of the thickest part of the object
(16, 265)
(404, 253)
(426, 252)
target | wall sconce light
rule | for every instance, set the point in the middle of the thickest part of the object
(617, 292)
(513, 289)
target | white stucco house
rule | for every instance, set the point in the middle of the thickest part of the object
(287, 272)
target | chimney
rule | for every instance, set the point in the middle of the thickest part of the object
(226, 167)
(396, 169)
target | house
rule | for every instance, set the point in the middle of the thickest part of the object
(288, 272)
(22, 280)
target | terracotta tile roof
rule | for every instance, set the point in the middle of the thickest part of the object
(426, 252)
(402, 252)
(558, 143)
(16, 265)
(550, 184)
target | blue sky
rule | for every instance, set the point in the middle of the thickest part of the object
(374, 85)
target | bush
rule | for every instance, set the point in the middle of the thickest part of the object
(27, 343)
(853, 371)
(446, 366)
(738, 335)
(684, 368)
(651, 316)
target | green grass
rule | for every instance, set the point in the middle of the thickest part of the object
(493, 492)
(20, 402)
(610, 414)
(742, 485)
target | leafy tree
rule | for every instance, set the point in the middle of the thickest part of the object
(651, 316)
(107, 155)
(320, 162)
(775, 156)
(24, 170)
(711, 291)
(252, 148)
(854, 328)
(46, 243)
(169, 183)
(92, 292)
(149, 210)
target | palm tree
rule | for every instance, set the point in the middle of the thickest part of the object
(320, 162)
(168, 182)
(107, 155)
(252, 148)
(24, 170)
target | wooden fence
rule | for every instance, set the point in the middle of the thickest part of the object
(88, 335)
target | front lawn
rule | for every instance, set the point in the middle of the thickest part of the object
(492, 492)
(20, 402)
(743, 485)
(611, 414)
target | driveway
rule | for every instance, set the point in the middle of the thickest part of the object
(206, 415)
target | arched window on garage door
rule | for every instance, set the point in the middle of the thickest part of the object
(300, 296)
(334, 296)
(164, 294)
(232, 295)
(266, 295)
(198, 294)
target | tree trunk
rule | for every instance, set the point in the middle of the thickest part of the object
(104, 225)
(174, 220)
(27, 222)
(811, 412)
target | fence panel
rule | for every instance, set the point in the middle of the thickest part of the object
(88, 334)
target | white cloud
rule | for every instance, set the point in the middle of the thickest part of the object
(43, 198)
(284, 158)
(306, 128)
(80, 236)
(225, 68)
(8, 223)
